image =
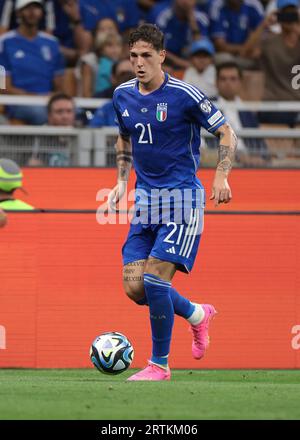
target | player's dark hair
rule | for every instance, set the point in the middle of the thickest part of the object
(58, 97)
(149, 33)
(229, 65)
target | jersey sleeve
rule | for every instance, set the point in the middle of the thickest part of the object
(122, 129)
(204, 113)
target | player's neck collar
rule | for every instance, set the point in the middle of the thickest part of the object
(166, 75)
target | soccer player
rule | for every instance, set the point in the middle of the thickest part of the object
(159, 119)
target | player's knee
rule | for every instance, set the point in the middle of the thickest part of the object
(134, 291)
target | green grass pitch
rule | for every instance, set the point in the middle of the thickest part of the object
(191, 395)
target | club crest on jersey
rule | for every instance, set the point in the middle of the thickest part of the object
(161, 112)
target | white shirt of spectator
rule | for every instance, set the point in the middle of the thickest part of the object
(205, 81)
(232, 115)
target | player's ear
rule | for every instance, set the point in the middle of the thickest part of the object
(162, 55)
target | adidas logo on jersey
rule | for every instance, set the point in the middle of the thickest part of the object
(171, 250)
(125, 112)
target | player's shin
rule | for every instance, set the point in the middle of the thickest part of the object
(183, 307)
(161, 317)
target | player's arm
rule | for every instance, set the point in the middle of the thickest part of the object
(124, 161)
(221, 191)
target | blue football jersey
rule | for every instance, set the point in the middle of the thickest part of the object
(235, 26)
(31, 64)
(164, 127)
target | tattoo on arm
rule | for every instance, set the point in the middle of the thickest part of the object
(227, 147)
(136, 263)
(127, 278)
(124, 157)
(226, 158)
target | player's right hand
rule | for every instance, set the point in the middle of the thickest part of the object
(116, 194)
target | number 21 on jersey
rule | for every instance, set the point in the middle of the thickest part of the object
(146, 133)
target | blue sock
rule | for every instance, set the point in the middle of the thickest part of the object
(182, 306)
(161, 316)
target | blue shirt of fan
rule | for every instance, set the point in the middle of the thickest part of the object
(31, 64)
(63, 29)
(104, 116)
(124, 12)
(178, 35)
(127, 13)
(92, 11)
(164, 127)
(235, 26)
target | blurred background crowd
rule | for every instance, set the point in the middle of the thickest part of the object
(233, 50)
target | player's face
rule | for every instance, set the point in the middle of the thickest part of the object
(62, 113)
(146, 61)
(31, 15)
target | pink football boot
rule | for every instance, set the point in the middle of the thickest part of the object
(200, 332)
(152, 372)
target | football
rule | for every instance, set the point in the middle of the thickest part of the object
(111, 353)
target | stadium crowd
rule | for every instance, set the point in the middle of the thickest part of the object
(79, 47)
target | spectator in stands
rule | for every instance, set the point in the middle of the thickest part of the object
(232, 22)
(279, 53)
(61, 110)
(106, 25)
(10, 179)
(125, 13)
(202, 72)
(128, 15)
(61, 113)
(182, 24)
(8, 17)
(147, 5)
(63, 19)
(33, 62)
(96, 67)
(229, 82)
(105, 116)
(121, 72)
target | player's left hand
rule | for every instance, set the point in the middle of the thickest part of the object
(116, 195)
(221, 192)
